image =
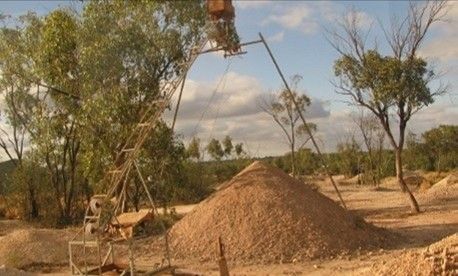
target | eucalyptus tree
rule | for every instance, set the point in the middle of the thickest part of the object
(193, 150)
(373, 137)
(130, 48)
(395, 86)
(215, 150)
(16, 82)
(281, 108)
(81, 81)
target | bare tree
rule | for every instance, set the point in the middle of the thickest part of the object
(392, 87)
(281, 108)
(373, 138)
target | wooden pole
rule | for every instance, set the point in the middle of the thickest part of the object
(178, 102)
(222, 263)
(156, 212)
(307, 128)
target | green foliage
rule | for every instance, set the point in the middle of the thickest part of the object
(350, 157)
(437, 150)
(199, 182)
(388, 81)
(239, 149)
(129, 49)
(228, 147)
(285, 108)
(26, 180)
(193, 150)
(442, 143)
(79, 83)
(215, 150)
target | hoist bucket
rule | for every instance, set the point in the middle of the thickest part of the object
(220, 9)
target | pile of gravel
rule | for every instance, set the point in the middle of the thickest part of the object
(265, 216)
(27, 247)
(446, 189)
(440, 258)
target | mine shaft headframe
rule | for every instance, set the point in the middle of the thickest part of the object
(221, 13)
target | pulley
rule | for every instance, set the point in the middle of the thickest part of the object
(96, 205)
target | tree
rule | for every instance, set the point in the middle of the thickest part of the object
(416, 155)
(239, 149)
(215, 150)
(282, 109)
(129, 49)
(442, 145)
(193, 150)
(228, 147)
(81, 81)
(393, 85)
(373, 137)
(350, 156)
(17, 108)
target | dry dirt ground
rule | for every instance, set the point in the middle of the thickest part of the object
(385, 207)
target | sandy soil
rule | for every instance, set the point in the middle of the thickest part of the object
(385, 207)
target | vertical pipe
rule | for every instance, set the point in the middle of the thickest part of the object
(307, 128)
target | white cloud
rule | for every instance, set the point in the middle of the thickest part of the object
(443, 46)
(251, 4)
(234, 110)
(292, 17)
(306, 17)
(299, 17)
(433, 116)
(278, 37)
(230, 95)
(363, 20)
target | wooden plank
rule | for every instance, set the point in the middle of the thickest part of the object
(129, 219)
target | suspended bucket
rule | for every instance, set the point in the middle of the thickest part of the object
(220, 9)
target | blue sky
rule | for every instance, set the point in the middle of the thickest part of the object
(295, 31)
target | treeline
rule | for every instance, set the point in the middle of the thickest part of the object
(437, 150)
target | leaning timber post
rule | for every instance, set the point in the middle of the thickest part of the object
(307, 128)
(222, 263)
(131, 258)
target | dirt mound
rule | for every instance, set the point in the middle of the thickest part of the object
(265, 216)
(28, 247)
(446, 189)
(357, 179)
(13, 272)
(440, 258)
(412, 179)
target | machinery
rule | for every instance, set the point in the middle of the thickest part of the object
(107, 220)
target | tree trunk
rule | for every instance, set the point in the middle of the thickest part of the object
(293, 144)
(293, 161)
(33, 204)
(404, 188)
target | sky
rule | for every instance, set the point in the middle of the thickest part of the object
(222, 96)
